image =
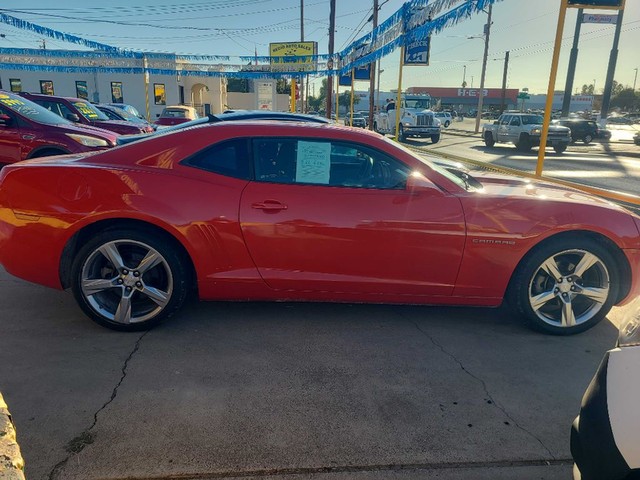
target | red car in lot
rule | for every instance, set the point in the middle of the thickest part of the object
(308, 212)
(81, 111)
(28, 130)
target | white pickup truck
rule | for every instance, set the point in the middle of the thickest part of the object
(416, 120)
(523, 130)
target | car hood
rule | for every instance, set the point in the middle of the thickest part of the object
(82, 129)
(506, 186)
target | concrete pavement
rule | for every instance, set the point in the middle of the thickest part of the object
(291, 391)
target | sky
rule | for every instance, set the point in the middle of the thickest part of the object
(239, 27)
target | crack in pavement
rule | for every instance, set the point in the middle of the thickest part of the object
(77, 444)
(484, 386)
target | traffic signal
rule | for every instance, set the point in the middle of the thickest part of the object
(597, 3)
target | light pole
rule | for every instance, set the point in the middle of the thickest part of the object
(635, 78)
(487, 32)
(464, 77)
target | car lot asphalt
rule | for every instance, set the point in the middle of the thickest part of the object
(293, 391)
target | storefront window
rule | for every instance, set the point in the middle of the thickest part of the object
(159, 94)
(116, 92)
(46, 87)
(82, 90)
(16, 84)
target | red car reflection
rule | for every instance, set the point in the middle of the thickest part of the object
(303, 212)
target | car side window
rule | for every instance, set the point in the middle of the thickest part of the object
(320, 162)
(505, 120)
(229, 158)
(515, 121)
(110, 114)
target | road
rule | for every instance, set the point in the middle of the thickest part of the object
(295, 391)
(613, 166)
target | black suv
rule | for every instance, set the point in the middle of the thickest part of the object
(584, 130)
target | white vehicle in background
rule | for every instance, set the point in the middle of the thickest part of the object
(416, 119)
(445, 118)
(605, 437)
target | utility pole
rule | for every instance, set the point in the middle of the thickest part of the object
(504, 81)
(611, 70)
(372, 70)
(487, 31)
(635, 78)
(332, 28)
(573, 59)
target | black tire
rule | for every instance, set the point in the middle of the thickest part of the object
(524, 143)
(126, 299)
(375, 127)
(435, 138)
(587, 139)
(447, 123)
(560, 148)
(401, 136)
(533, 284)
(488, 139)
(47, 152)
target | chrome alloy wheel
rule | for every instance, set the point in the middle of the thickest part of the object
(569, 288)
(126, 281)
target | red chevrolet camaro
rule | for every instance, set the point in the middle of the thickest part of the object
(305, 212)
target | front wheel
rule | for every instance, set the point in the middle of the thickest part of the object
(587, 139)
(129, 280)
(488, 139)
(401, 136)
(435, 138)
(560, 148)
(524, 143)
(565, 286)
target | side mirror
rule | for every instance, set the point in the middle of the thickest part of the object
(73, 117)
(418, 183)
(5, 120)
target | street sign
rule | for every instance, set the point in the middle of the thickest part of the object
(614, 4)
(598, 18)
(417, 53)
(524, 95)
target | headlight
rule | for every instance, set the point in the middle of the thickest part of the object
(437, 122)
(536, 131)
(630, 328)
(88, 141)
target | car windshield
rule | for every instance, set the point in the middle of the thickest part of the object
(128, 116)
(532, 119)
(461, 182)
(175, 113)
(423, 103)
(89, 111)
(31, 110)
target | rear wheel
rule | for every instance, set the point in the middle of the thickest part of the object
(587, 139)
(565, 286)
(447, 123)
(128, 279)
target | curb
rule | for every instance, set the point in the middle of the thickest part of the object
(11, 462)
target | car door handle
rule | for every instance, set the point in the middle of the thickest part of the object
(28, 137)
(269, 205)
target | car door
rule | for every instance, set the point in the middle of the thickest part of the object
(513, 129)
(336, 217)
(503, 128)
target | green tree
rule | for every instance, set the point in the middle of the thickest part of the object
(283, 86)
(626, 99)
(588, 89)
